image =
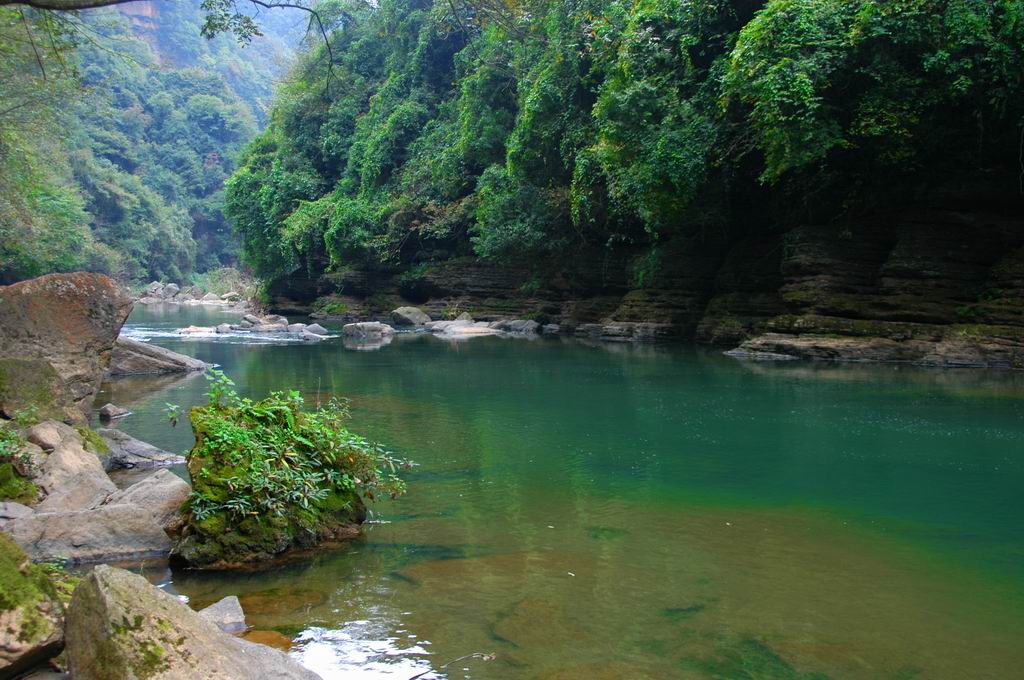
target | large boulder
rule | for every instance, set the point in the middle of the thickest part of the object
(409, 316)
(170, 290)
(119, 626)
(31, 614)
(128, 452)
(131, 357)
(70, 321)
(162, 493)
(107, 533)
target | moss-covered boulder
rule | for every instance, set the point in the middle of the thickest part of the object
(31, 613)
(269, 475)
(120, 627)
(32, 386)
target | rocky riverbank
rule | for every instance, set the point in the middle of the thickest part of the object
(59, 337)
(929, 287)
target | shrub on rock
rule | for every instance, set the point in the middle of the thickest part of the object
(270, 475)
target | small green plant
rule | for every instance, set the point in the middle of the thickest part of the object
(15, 467)
(330, 305)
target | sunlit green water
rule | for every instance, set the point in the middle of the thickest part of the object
(617, 512)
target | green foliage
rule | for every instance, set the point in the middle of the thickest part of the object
(529, 132)
(15, 463)
(275, 471)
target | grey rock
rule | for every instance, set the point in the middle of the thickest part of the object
(296, 327)
(551, 329)
(227, 614)
(128, 452)
(517, 326)
(191, 646)
(106, 533)
(211, 297)
(316, 329)
(153, 289)
(306, 336)
(465, 316)
(11, 511)
(409, 316)
(47, 435)
(162, 493)
(368, 330)
(170, 290)
(231, 296)
(224, 328)
(252, 319)
(276, 319)
(70, 477)
(270, 328)
(110, 411)
(131, 357)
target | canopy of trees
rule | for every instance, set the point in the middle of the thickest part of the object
(528, 129)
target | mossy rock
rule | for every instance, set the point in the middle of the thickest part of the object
(33, 386)
(31, 612)
(220, 540)
(14, 487)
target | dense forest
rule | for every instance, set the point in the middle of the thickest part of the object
(525, 132)
(119, 128)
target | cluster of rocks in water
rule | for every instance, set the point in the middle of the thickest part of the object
(157, 292)
(375, 334)
(273, 324)
(58, 340)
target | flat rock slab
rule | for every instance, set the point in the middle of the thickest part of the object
(128, 452)
(118, 625)
(131, 357)
(107, 533)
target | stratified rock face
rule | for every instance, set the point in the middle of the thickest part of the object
(128, 452)
(31, 615)
(68, 320)
(107, 533)
(119, 627)
(131, 357)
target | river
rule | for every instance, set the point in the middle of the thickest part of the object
(608, 511)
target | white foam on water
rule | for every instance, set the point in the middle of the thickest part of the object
(361, 650)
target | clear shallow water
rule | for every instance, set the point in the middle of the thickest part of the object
(618, 512)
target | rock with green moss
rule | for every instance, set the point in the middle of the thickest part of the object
(32, 386)
(31, 613)
(268, 476)
(120, 627)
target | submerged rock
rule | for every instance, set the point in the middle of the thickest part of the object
(70, 321)
(120, 626)
(227, 614)
(128, 452)
(131, 357)
(316, 329)
(107, 533)
(31, 614)
(409, 316)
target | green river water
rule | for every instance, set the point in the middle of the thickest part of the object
(606, 511)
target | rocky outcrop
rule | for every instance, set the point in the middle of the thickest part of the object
(131, 357)
(71, 321)
(120, 626)
(31, 614)
(930, 288)
(70, 477)
(367, 330)
(128, 452)
(107, 533)
(272, 326)
(162, 493)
